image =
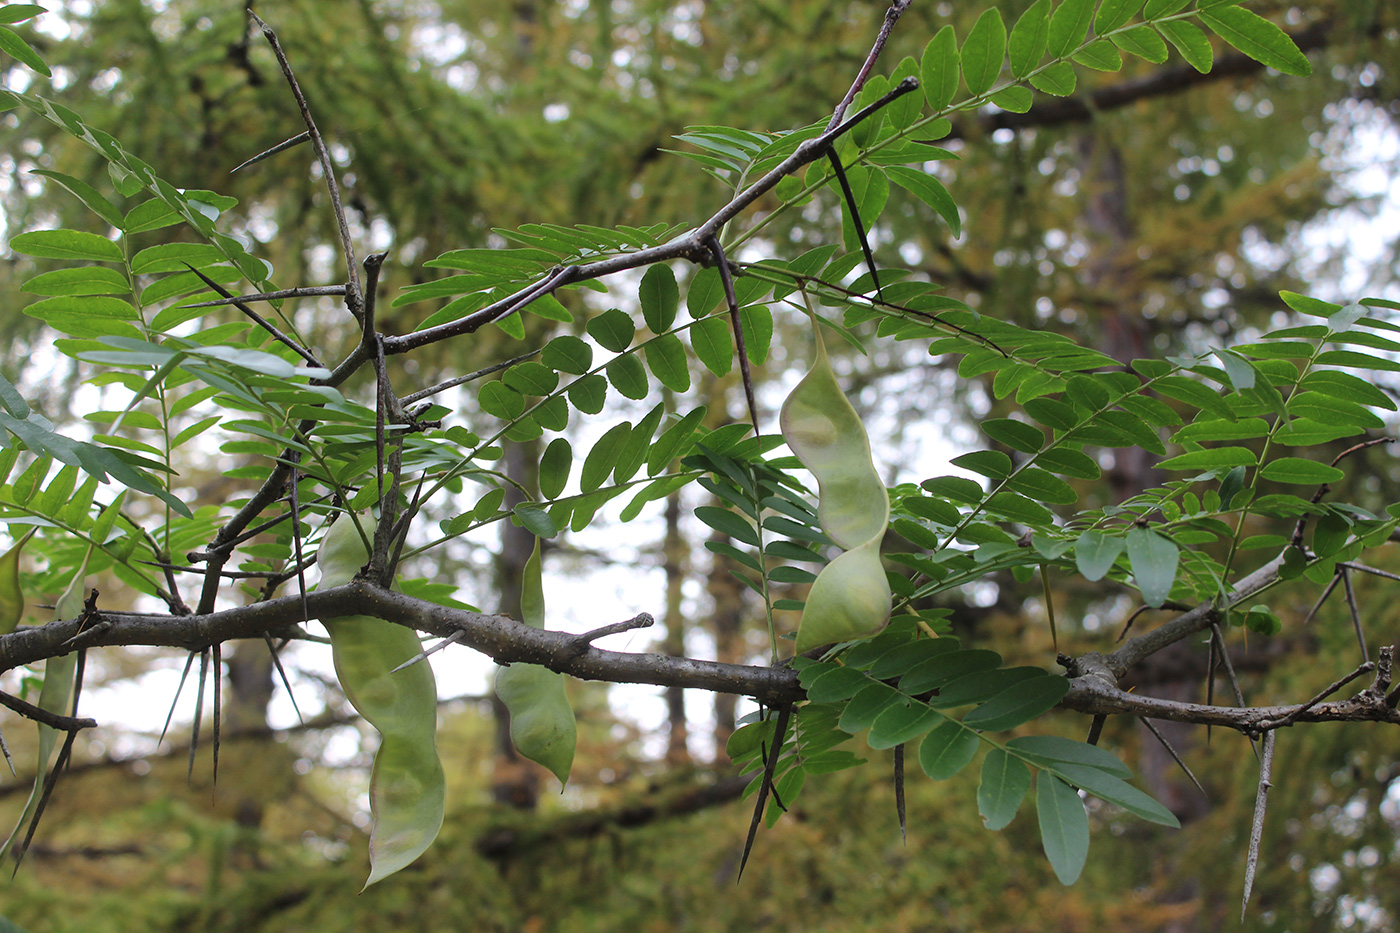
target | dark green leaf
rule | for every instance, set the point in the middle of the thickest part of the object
(1258, 38)
(712, 339)
(17, 48)
(938, 70)
(634, 453)
(946, 750)
(983, 51)
(1094, 553)
(568, 354)
(1298, 470)
(555, 466)
(1153, 558)
(589, 393)
(1069, 24)
(1064, 827)
(89, 195)
(1116, 791)
(667, 361)
(660, 298)
(674, 442)
(1004, 783)
(613, 330)
(627, 376)
(899, 724)
(929, 190)
(603, 457)
(1053, 748)
(66, 244)
(1017, 704)
(1214, 458)
(1029, 38)
(1191, 42)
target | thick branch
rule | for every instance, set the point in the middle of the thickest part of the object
(500, 637)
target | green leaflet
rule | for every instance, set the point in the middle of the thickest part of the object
(407, 786)
(55, 697)
(851, 596)
(542, 724)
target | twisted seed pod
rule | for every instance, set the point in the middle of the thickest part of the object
(851, 596)
(407, 786)
(542, 725)
(55, 697)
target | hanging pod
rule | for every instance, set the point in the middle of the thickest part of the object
(542, 725)
(407, 786)
(851, 597)
(55, 696)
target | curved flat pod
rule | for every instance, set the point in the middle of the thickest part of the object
(851, 596)
(407, 788)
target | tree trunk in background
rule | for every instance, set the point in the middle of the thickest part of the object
(1115, 308)
(675, 560)
(515, 781)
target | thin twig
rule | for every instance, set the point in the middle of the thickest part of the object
(353, 295)
(310, 291)
(40, 715)
(49, 784)
(892, 15)
(641, 620)
(1364, 668)
(1256, 830)
(459, 380)
(1362, 568)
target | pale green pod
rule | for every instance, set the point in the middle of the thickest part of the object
(11, 594)
(55, 697)
(850, 598)
(825, 433)
(407, 791)
(542, 724)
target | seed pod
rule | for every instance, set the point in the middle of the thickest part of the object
(851, 597)
(407, 786)
(55, 697)
(11, 595)
(542, 725)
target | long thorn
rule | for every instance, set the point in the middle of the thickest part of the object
(856, 221)
(281, 672)
(198, 712)
(424, 654)
(218, 705)
(737, 325)
(1256, 830)
(899, 792)
(189, 662)
(283, 146)
(1172, 751)
(1355, 614)
(770, 764)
